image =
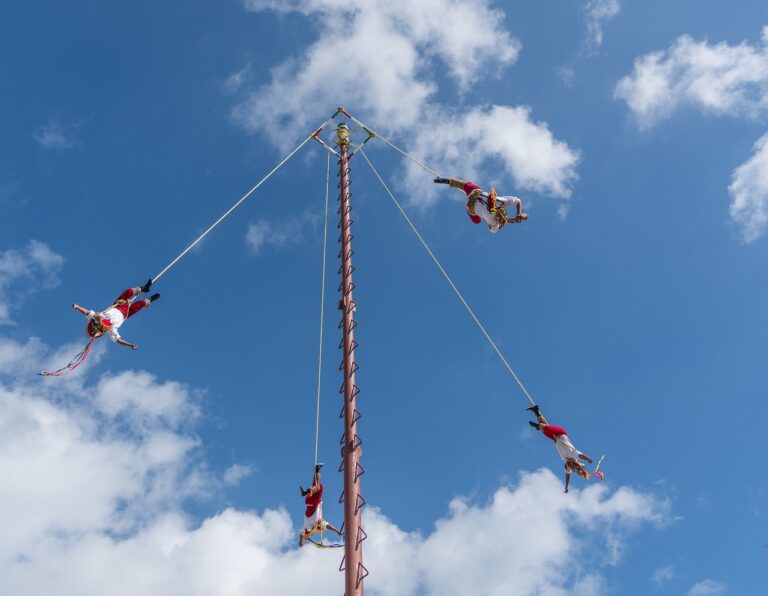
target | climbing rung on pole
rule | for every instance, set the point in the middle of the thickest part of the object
(362, 573)
(361, 502)
(361, 536)
(359, 470)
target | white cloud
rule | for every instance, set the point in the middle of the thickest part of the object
(663, 574)
(23, 271)
(719, 79)
(749, 193)
(137, 399)
(527, 150)
(101, 470)
(446, 29)
(75, 473)
(707, 587)
(393, 52)
(596, 13)
(59, 135)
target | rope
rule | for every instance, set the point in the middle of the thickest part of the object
(448, 279)
(322, 305)
(395, 147)
(235, 206)
(322, 544)
(76, 361)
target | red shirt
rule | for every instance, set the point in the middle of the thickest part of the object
(313, 499)
(553, 431)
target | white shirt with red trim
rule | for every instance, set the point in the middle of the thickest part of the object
(114, 316)
(489, 218)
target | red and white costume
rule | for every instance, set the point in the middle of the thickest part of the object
(563, 444)
(481, 212)
(313, 514)
(114, 316)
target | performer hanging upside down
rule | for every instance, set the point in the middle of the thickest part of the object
(109, 321)
(313, 515)
(487, 206)
(568, 453)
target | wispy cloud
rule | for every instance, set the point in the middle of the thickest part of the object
(663, 574)
(749, 193)
(707, 587)
(596, 13)
(59, 135)
(234, 82)
(23, 271)
(279, 233)
(235, 473)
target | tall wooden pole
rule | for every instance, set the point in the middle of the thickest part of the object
(351, 450)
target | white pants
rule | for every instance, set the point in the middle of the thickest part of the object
(566, 449)
(316, 519)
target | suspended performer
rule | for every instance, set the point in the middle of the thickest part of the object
(111, 319)
(107, 321)
(313, 515)
(568, 453)
(487, 206)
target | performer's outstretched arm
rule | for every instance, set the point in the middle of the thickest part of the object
(127, 344)
(81, 310)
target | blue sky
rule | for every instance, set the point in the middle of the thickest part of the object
(631, 303)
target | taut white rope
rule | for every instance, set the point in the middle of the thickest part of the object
(235, 206)
(322, 305)
(447, 277)
(396, 148)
